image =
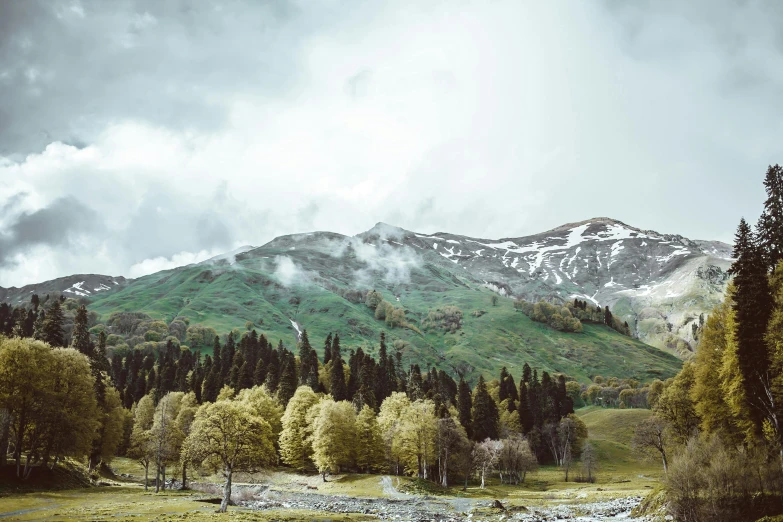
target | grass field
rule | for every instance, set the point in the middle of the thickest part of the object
(249, 291)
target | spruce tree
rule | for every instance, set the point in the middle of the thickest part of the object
(227, 358)
(526, 419)
(328, 349)
(273, 372)
(287, 386)
(53, 325)
(305, 365)
(464, 405)
(770, 224)
(753, 305)
(80, 340)
(485, 413)
(337, 387)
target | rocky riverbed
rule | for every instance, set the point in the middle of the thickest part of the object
(405, 507)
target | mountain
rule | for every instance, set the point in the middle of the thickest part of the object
(318, 281)
(661, 284)
(79, 285)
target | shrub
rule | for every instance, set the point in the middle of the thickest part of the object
(448, 318)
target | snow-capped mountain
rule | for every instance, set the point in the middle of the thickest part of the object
(660, 283)
(664, 285)
(79, 285)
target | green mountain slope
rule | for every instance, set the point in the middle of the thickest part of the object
(318, 280)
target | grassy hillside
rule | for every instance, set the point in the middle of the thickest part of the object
(611, 431)
(308, 283)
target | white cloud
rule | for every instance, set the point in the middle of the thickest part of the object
(150, 266)
(488, 119)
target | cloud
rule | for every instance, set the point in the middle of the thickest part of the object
(152, 265)
(56, 225)
(289, 273)
(190, 128)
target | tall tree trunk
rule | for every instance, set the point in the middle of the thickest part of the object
(184, 475)
(146, 476)
(157, 477)
(5, 430)
(226, 491)
(445, 482)
(163, 477)
(482, 478)
(665, 463)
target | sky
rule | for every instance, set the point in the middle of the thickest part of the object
(140, 135)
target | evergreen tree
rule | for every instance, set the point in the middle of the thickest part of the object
(608, 320)
(212, 384)
(305, 364)
(485, 413)
(259, 373)
(526, 419)
(770, 225)
(287, 386)
(80, 340)
(53, 325)
(39, 327)
(273, 373)
(464, 405)
(227, 358)
(337, 387)
(753, 305)
(328, 349)
(526, 374)
(234, 373)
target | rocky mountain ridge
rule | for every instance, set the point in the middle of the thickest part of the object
(662, 284)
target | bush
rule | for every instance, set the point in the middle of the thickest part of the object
(448, 318)
(558, 317)
(711, 480)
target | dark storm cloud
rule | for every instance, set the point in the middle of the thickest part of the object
(55, 226)
(69, 68)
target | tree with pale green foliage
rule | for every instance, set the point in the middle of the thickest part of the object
(369, 443)
(265, 406)
(140, 447)
(295, 448)
(416, 437)
(334, 436)
(48, 394)
(229, 435)
(389, 420)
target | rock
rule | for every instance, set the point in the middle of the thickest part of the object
(497, 505)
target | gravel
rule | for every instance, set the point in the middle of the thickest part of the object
(404, 507)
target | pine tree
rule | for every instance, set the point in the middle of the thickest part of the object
(337, 387)
(526, 419)
(39, 327)
(212, 384)
(287, 386)
(53, 325)
(328, 349)
(753, 305)
(485, 413)
(227, 358)
(305, 365)
(770, 225)
(608, 320)
(259, 373)
(464, 405)
(80, 340)
(273, 373)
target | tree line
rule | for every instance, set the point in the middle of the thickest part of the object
(717, 425)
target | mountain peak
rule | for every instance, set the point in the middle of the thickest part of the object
(385, 230)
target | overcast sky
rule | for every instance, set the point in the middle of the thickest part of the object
(136, 136)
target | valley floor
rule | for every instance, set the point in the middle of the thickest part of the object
(280, 495)
(284, 495)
